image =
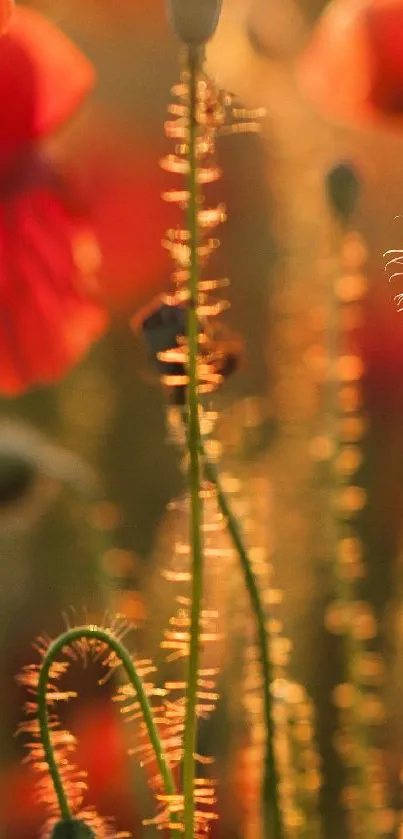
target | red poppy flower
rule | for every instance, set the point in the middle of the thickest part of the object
(6, 7)
(43, 79)
(123, 182)
(353, 67)
(48, 318)
(130, 220)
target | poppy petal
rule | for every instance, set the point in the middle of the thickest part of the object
(43, 79)
(124, 182)
(353, 68)
(129, 218)
(6, 8)
(385, 32)
(48, 316)
(335, 70)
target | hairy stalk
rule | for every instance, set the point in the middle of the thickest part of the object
(190, 732)
(272, 819)
(352, 647)
(104, 636)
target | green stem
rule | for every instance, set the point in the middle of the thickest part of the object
(190, 732)
(272, 819)
(99, 634)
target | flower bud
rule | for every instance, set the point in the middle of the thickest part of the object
(343, 187)
(194, 21)
(72, 829)
(164, 326)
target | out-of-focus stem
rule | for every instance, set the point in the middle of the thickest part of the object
(271, 811)
(190, 732)
(352, 648)
(98, 634)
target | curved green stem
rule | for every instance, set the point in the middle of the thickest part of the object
(106, 637)
(190, 732)
(272, 819)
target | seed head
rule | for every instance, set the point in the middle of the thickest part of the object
(343, 187)
(194, 21)
(72, 829)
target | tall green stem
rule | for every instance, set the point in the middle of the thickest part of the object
(272, 819)
(99, 634)
(190, 733)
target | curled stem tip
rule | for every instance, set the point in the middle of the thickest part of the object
(66, 639)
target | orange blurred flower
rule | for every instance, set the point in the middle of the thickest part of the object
(48, 317)
(353, 67)
(6, 8)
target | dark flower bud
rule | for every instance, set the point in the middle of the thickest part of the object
(194, 21)
(161, 329)
(17, 478)
(164, 327)
(343, 187)
(72, 829)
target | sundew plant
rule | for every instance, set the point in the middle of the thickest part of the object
(193, 351)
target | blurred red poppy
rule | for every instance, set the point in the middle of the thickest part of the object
(101, 754)
(6, 8)
(353, 68)
(43, 79)
(129, 219)
(123, 181)
(48, 314)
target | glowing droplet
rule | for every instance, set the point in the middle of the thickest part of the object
(294, 819)
(349, 549)
(354, 251)
(352, 429)
(363, 624)
(351, 500)
(372, 710)
(344, 696)
(321, 448)
(337, 617)
(302, 732)
(349, 460)
(351, 287)
(312, 781)
(350, 368)
(385, 821)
